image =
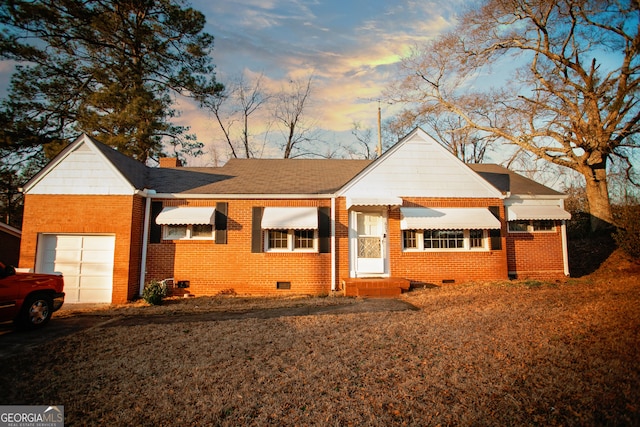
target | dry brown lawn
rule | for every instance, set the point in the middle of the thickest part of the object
(497, 354)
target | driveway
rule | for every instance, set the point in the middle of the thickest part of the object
(14, 342)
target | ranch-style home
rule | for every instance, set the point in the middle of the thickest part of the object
(417, 215)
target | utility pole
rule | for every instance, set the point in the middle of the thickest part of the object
(379, 147)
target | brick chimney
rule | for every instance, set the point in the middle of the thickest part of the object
(170, 162)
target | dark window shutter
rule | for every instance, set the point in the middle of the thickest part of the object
(494, 235)
(324, 230)
(496, 240)
(221, 222)
(256, 229)
(155, 230)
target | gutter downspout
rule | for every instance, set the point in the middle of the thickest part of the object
(333, 243)
(145, 237)
(565, 251)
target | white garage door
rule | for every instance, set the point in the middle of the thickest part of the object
(86, 261)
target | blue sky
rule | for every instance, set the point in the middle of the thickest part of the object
(351, 47)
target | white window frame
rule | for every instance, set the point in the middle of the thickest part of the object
(290, 242)
(465, 248)
(531, 228)
(166, 235)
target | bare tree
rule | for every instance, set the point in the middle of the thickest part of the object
(235, 105)
(289, 112)
(451, 131)
(573, 102)
(364, 142)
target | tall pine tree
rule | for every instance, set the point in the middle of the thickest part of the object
(109, 68)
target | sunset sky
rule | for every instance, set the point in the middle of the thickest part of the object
(351, 47)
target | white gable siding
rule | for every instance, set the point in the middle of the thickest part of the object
(419, 167)
(83, 171)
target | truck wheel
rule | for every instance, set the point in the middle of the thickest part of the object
(36, 311)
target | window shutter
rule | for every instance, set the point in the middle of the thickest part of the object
(155, 230)
(324, 230)
(221, 223)
(256, 229)
(494, 235)
(496, 240)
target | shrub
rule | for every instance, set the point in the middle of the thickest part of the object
(154, 292)
(627, 235)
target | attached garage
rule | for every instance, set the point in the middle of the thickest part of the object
(86, 261)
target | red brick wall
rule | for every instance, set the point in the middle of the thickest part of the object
(536, 255)
(81, 214)
(436, 267)
(213, 268)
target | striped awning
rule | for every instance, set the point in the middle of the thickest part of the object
(186, 215)
(290, 218)
(448, 219)
(524, 212)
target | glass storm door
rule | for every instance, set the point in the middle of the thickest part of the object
(370, 228)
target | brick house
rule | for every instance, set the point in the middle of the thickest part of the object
(416, 215)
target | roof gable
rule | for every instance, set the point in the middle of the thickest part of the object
(418, 166)
(86, 167)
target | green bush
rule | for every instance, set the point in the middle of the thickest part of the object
(627, 235)
(154, 292)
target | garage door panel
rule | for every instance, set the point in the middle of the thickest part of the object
(67, 242)
(93, 256)
(86, 261)
(92, 270)
(92, 244)
(67, 256)
(94, 295)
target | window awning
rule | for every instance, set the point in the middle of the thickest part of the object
(523, 212)
(448, 219)
(184, 215)
(374, 201)
(290, 218)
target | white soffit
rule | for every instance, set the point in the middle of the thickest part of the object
(448, 219)
(290, 218)
(524, 212)
(185, 215)
(374, 201)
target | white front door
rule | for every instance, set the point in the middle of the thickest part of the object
(370, 243)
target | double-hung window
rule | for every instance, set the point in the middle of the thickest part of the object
(187, 223)
(447, 229)
(444, 240)
(531, 226)
(291, 229)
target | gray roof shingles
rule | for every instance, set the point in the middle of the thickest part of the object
(506, 180)
(283, 176)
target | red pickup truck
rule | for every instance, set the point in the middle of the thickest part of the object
(29, 299)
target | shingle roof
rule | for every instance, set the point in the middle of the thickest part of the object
(258, 176)
(282, 176)
(134, 171)
(506, 180)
